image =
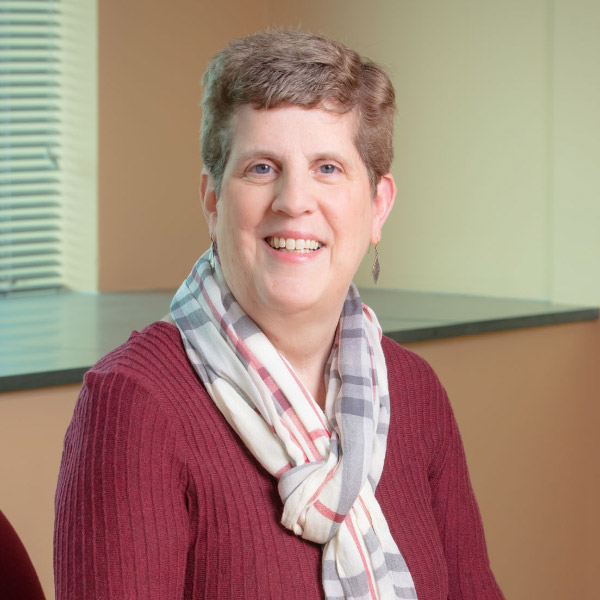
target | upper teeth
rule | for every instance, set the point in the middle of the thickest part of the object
(293, 244)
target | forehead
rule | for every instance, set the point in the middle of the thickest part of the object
(287, 127)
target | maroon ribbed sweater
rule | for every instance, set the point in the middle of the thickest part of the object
(158, 498)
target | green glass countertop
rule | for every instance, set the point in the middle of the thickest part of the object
(52, 339)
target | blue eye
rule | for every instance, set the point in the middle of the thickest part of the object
(328, 169)
(261, 169)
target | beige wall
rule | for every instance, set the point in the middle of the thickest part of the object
(497, 141)
(471, 137)
(576, 150)
(527, 405)
(79, 150)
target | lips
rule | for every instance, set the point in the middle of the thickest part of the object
(293, 244)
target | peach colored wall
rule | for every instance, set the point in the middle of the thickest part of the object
(32, 428)
(151, 59)
(527, 405)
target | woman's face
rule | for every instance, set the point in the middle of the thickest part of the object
(294, 178)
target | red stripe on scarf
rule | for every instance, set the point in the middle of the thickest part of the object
(325, 481)
(316, 434)
(328, 513)
(366, 511)
(307, 395)
(293, 417)
(352, 531)
(239, 344)
(283, 470)
(243, 349)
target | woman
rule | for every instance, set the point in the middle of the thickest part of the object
(269, 369)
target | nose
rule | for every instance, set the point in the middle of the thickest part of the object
(293, 195)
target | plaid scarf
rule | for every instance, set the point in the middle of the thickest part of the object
(327, 463)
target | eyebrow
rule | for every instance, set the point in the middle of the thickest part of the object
(269, 154)
(258, 153)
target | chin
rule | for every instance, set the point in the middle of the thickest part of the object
(293, 299)
(292, 304)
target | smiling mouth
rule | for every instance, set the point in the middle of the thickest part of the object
(293, 245)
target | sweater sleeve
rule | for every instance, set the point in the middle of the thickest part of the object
(457, 514)
(121, 527)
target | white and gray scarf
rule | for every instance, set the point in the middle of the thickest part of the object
(328, 463)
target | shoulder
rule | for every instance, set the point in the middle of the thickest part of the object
(138, 394)
(150, 370)
(157, 346)
(153, 359)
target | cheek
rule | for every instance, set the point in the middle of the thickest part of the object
(238, 211)
(234, 267)
(227, 225)
(359, 219)
(236, 242)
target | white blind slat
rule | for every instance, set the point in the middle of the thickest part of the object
(30, 203)
(32, 250)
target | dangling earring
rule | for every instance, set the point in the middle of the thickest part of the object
(375, 269)
(213, 253)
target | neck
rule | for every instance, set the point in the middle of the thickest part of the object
(306, 343)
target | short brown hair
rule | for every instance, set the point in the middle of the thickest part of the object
(292, 67)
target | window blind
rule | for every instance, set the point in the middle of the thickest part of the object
(30, 204)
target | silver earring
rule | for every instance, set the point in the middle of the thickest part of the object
(213, 254)
(375, 269)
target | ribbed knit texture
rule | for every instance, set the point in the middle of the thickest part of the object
(158, 498)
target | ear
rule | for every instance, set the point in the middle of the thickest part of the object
(382, 205)
(209, 199)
